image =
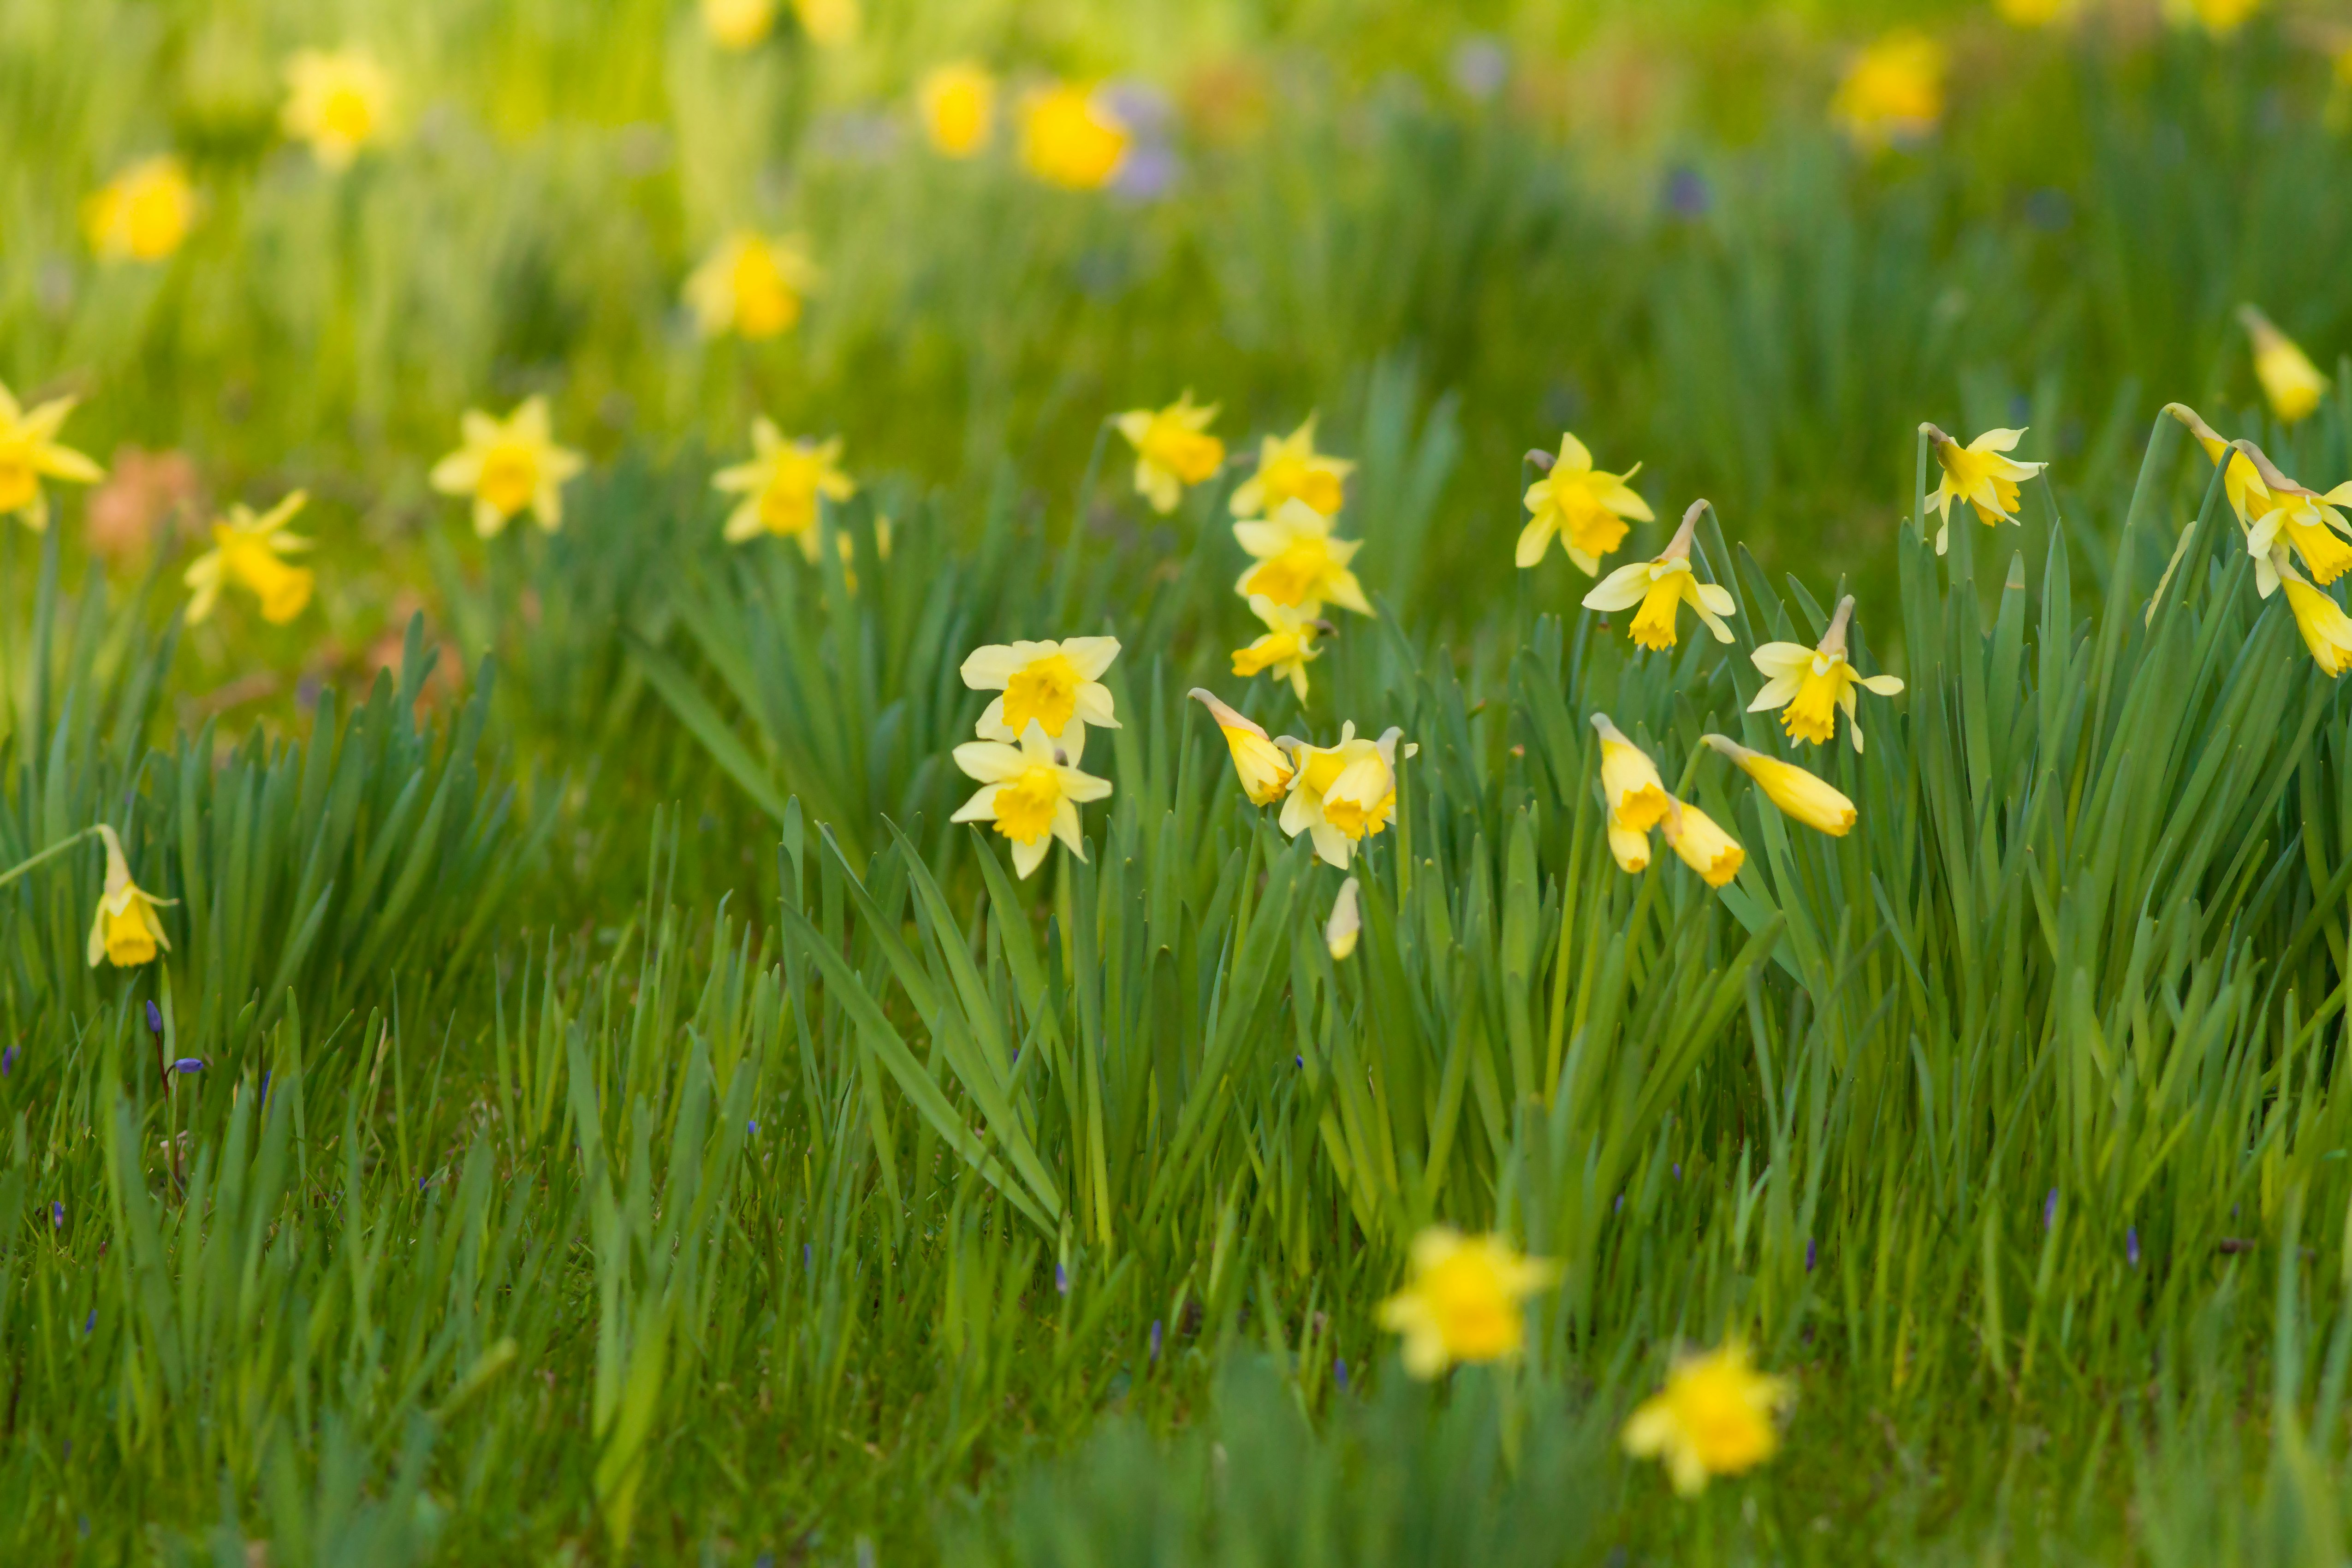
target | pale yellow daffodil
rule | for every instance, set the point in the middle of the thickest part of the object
(1629, 780)
(1298, 564)
(1287, 644)
(338, 100)
(1660, 587)
(957, 105)
(1071, 137)
(1260, 763)
(751, 285)
(1173, 449)
(250, 552)
(1051, 683)
(126, 930)
(1461, 1299)
(2291, 382)
(1032, 791)
(781, 486)
(1979, 474)
(1715, 1418)
(30, 453)
(508, 465)
(1290, 469)
(143, 213)
(1340, 795)
(1797, 792)
(1584, 507)
(1809, 685)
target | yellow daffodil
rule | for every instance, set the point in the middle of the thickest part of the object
(1051, 683)
(1629, 848)
(1892, 91)
(737, 24)
(143, 213)
(125, 931)
(1300, 564)
(1704, 848)
(1660, 586)
(2250, 497)
(30, 453)
(1797, 792)
(1714, 1418)
(2311, 526)
(1346, 921)
(1809, 685)
(957, 103)
(828, 23)
(1173, 449)
(1071, 137)
(2032, 13)
(1340, 795)
(1259, 763)
(1979, 474)
(1030, 791)
(338, 100)
(2326, 630)
(2291, 382)
(2218, 17)
(1290, 469)
(780, 487)
(250, 552)
(1636, 797)
(1586, 508)
(1461, 1299)
(751, 285)
(1287, 644)
(507, 465)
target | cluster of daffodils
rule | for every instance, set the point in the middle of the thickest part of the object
(1339, 796)
(1637, 802)
(1032, 739)
(2286, 525)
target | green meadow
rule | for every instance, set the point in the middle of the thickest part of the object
(584, 1040)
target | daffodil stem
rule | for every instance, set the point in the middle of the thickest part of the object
(1920, 486)
(51, 853)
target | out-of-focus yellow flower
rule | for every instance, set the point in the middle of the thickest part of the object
(143, 213)
(1287, 644)
(1809, 685)
(250, 552)
(751, 285)
(1340, 795)
(338, 100)
(1298, 563)
(1660, 586)
(1979, 474)
(1586, 508)
(1704, 848)
(1797, 792)
(1346, 921)
(1032, 791)
(2343, 66)
(125, 931)
(1259, 763)
(738, 24)
(29, 452)
(957, 105)
(1050, 682)
(1290, 469)
(1714, 1418)
(2291, 382)
(1173, 449)
(780, 486)
(1461, 1299)
(1629, 780)
(828, 23)
(2326, 630)
(1070, 137)
(2032, 13)
(1894, 88)
(507, 465)
(2218, 17)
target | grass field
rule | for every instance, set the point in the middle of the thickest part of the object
(600, 962)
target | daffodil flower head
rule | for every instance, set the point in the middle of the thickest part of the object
(2326, 630)
(250, 552)
(2218, 17)
(1704, 846)
(30, 453)
(1894, 91)
(508, 466)
(1809, 685)
(1661, 587)
(1346, 922)
(1629, 846)
(1584, 507)
(750, 284)
(2291, 382)
(1072, 137)
(1260, 763)
(828, 23)
(781, 486)
(2312, 527)
(1297, 563)
(1054, 683)
(1797, 792)
(1340, 795)
(737, 24)
(338, 100)
(143, 213)
(1287, 644)
(957, 104)
(125, 931)
(1461, 1299)
(1715, 1418)
(2241, 481)
(1032, 791)
(1289, 468)
(1629, 781)
(1173, 449)
(1979, 474)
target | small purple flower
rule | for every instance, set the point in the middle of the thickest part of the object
(1298, 1061)
(807, 1258)
(755, 1125)
(1339, 1371)
(8, 1061)
(264, 1089)
(2050, 1209)
(57, 1217)
(1155, 1338)
(1679, 1170)
(1809, 1254)
(188, 1064)
(2131, 1245)
(1147, 173)
(155, 1018)
(1621, 1204)
(1061, 1279)
(89, 1324)
(1687, 195)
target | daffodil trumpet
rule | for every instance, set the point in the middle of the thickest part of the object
(1809, 685)
(1662, 587)
(1797, 792)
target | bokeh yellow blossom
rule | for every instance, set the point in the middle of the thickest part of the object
(1173, 449)
(1032, 791)
(751, 285)
(338, 100)
(780, 487)
(828, 23)
(1259, 763)
(508, 464)
(1290, 469)
(1892, 91)
(1462, 1299)
(738, 24)
(1298, 564)
(126, 930)
(957, 103)
(2291, 382)
(2218, 17)
(1809, 685)
(30, 453)
(2034, 13)
(1585, 508)
(143, 213)
(1715, 1418)
(1071, 137)
(250, 552)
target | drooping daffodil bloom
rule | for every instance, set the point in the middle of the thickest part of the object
(1979, 474)
(750, 284)
(1173, 449)
(1032, 791)
(1660, 587)
(1461, 1299)
(2241, 481)
(2291, 382)
(30, 453)
(1797, 792)
(251, 551)
(508, 465)
(1809, 685)
(781, 486)
(125, 931)
(1053, 683)
(1340, 795)
(1297, 563)
(2298, 519)
(1636, 797)
(143, 213)
(957, 104)
(1346, 921)
(1072, 137)
(1894, 91)
(1260, 763)
(1715, 1418)
(1287, 644)
(1704, 846)
(338, 100)
(1290, 469)
(1584, 507)
(2326, 629)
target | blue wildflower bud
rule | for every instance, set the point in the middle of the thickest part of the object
(155, 1017)
(1809, 1254)
(1339, 1371)
(189, 1064)
(2050, 1210)
(1155, 1338)
(2131, 1245)
(1061, 1279)
(8, 1061)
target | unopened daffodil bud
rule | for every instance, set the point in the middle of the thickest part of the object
(1797, 792)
